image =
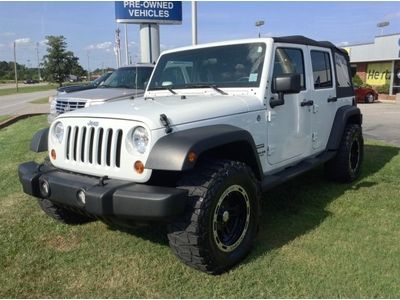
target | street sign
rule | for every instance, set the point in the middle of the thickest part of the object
(158, 12)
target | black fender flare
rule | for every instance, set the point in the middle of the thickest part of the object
(39, 141)
(171, 151)
(344, 115)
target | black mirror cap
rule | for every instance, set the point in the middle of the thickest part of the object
(287, 84)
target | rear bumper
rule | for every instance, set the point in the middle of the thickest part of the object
(116, 198)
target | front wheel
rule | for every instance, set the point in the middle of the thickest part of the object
(346, 165)
(221, 219)
(369, 98)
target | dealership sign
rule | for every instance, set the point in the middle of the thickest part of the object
(160, 12)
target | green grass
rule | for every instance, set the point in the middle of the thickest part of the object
(317, 239)
(41, 101)
(4, 117)
(27, 89)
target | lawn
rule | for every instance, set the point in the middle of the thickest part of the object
(317, 239)
(4, 117)
(27, 89)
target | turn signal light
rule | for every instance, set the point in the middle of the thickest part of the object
(53, 154)
(192, 157)
(139, 167)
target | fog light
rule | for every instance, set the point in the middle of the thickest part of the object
(44, 187)
(81, 196)
(139, 167)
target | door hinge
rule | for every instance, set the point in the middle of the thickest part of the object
(270, 150)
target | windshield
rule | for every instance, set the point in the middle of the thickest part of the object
(101, 79)
(221, 66)
(128, 78)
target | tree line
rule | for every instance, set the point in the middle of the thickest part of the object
(56, 66)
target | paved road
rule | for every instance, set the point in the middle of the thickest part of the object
(19, 103)
(381, 122)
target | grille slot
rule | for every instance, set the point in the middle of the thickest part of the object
(63, 106)
(94, 146)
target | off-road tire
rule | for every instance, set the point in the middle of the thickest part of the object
(342, 167)
(191, 237)
(61, 214)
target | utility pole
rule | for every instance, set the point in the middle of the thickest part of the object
(88, 65)
(117, 48)
(194, 23)
(15, 66)
(126, 45)
(38, 61)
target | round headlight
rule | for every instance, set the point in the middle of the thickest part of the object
(140, 139)
(58, 132)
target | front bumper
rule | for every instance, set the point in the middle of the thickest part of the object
(108, 198)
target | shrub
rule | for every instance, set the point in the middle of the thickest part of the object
(357, 81)
(383, 89)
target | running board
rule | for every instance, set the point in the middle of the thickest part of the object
(270, 181)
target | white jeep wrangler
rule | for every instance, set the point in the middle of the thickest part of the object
(219, 124)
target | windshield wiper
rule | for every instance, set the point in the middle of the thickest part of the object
(165, 88)
(202, 85)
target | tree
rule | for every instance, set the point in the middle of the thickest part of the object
(59, 63)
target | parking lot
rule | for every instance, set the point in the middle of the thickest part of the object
(381, 122)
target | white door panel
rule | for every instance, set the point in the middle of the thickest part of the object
(289, 125)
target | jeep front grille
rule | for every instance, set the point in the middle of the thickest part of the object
(94, 146)
(63, 106)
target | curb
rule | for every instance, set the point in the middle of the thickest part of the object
(15, 119)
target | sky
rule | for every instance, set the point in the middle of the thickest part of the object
(89, 26)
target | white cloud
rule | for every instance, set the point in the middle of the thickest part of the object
(392, 16)
(100, 46)
(23, 41)
(43, 42)
(7, 33)
(164, 47)
(343, 44)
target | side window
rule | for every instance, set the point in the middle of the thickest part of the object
(289, 61)
(342, 71)
(322, 70)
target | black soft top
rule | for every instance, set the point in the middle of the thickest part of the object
(299, 39)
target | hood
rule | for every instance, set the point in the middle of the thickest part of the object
(100, 94)
(178, 111)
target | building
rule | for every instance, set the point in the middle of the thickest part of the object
(378, 63)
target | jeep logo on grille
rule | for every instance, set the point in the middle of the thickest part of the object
(93, 123)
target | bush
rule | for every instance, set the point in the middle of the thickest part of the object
(383, 89)
(357, 81)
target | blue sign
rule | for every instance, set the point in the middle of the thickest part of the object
(161, 12)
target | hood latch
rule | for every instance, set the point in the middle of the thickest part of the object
(165, 122)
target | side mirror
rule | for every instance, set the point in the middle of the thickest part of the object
(145, 84)
(285, 84)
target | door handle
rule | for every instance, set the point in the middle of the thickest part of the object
(332, 99)
(307, 103)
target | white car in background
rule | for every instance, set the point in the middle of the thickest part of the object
(126, 82)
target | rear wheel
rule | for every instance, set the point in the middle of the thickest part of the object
(221, 219)
(346, 166)
(61, 214)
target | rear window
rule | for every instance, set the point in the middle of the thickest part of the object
(342, 71)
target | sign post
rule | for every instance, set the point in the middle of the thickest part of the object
(149, 14)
